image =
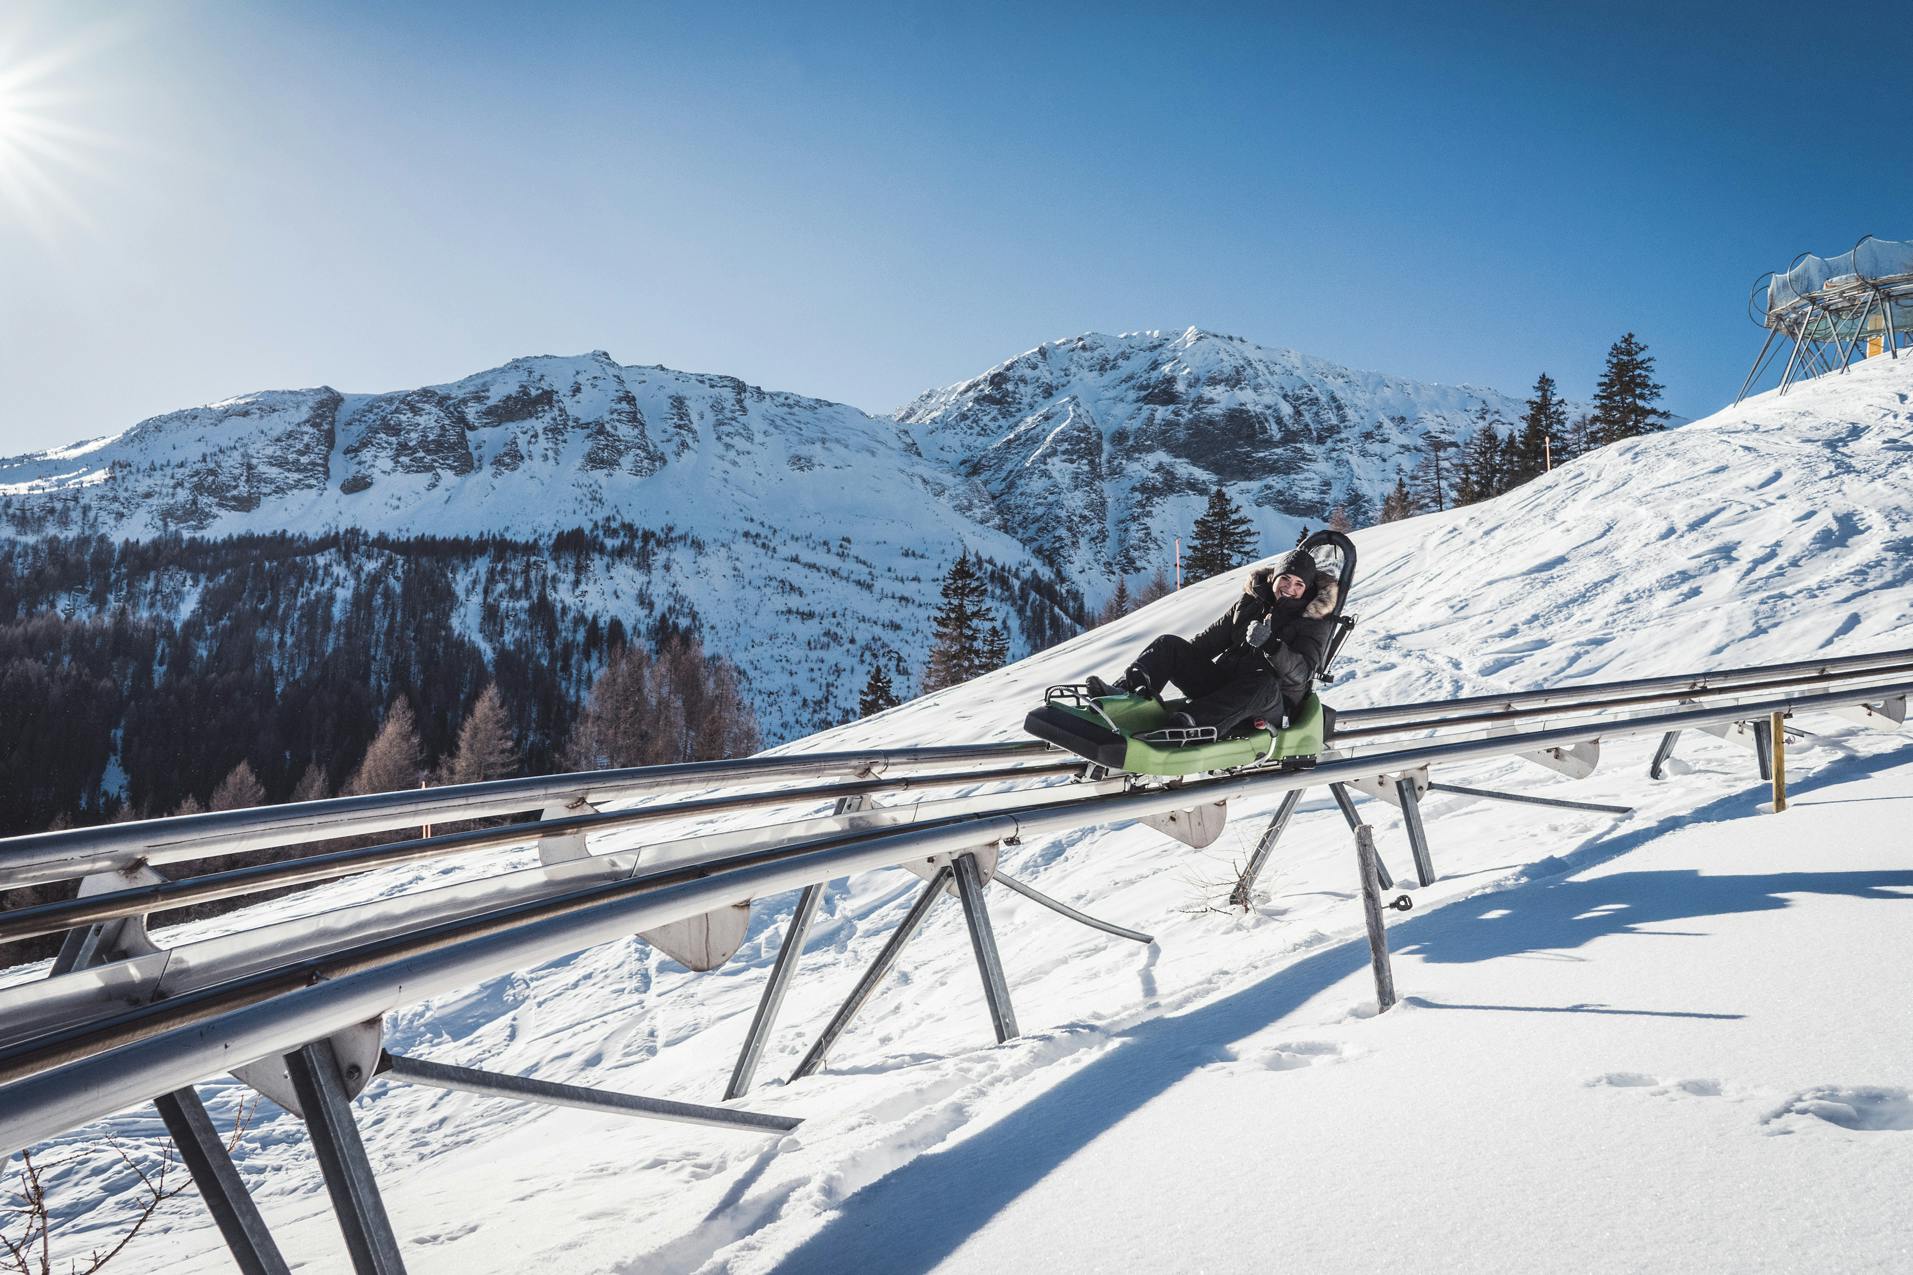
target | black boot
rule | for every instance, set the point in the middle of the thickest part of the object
(1098, 688)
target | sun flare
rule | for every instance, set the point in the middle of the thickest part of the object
(44, 91)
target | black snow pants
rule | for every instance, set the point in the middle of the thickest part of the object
(1221, 693)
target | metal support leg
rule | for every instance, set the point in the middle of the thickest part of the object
(495, 1084)
(782, 971)
(1239, 897)
(1061, 908)
(253, 1249)
(1526, 799)
(976, 914)
(1372, 912)
(1663, 753)
(1764, 749)
(773, 997)
(96, 944)
(873, 976)
(1755, 369)
(1346, 804)
(1417, 835)
(1786, 373)
(369, 1240)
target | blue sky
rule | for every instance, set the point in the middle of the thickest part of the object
(860, 202)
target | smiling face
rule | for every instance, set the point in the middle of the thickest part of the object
(1288, 586)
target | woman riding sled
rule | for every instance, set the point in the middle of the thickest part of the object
(1256, 661)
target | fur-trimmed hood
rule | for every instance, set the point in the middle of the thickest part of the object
(1321, 599)
(1328, 591)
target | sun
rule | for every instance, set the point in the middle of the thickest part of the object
(43, 146)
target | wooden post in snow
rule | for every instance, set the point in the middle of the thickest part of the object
(1372, 910)
(1778, 731)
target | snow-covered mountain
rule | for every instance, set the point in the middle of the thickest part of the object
(1646, 1041)
(806, 538)
(1092, 452)
(536, 446)
(1098, 451)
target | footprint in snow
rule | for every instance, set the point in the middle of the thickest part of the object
(1289, 1056)
(1700, 1088)
(1864, 1109)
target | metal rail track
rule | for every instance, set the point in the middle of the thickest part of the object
(58, 1081)
(54, 856)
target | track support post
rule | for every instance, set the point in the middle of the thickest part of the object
(1777, 734)
(1345, 802)
(782, 971)
(873, 976)
(369, 1239)
(1366, 861)
(1239, 897)
(1417, 834)
(1663, 755)
(1764, 747)
(989, 963)
(232, 1207)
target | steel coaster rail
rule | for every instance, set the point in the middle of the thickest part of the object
(51, 918)
(75, 852)
(1601, 692)
(51, 856)
(1494, 709)
(40, 857)
(1381, 722)
(167, 974)
(226, 957)
(33, 1008)
(160, 1048)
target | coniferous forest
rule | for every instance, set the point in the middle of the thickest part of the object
(136, 676)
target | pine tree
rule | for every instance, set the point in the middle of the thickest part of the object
(1624, 401)
(1224, 539)
(239, 790)
(392, 762)
(1478, 472)
(485, 750)
(1543, 428)
(1434, 476)
(1338, 520)
(878, 694)
(1510, 460)
(1577, 440)
(1120, 603)
(1158, 586)
(312, 784)
(956, 650)
(650, 709)
(996, 648)
(1399, 503)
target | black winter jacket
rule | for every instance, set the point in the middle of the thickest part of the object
(1302, 628)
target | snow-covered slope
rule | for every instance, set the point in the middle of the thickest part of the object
(1612, 1018)
(1100, 450)
(1767, 532)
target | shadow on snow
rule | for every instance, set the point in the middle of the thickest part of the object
(943, 1197)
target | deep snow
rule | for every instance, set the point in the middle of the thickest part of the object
(1667, 1040)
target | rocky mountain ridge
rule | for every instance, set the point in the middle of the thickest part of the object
(805, 538)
